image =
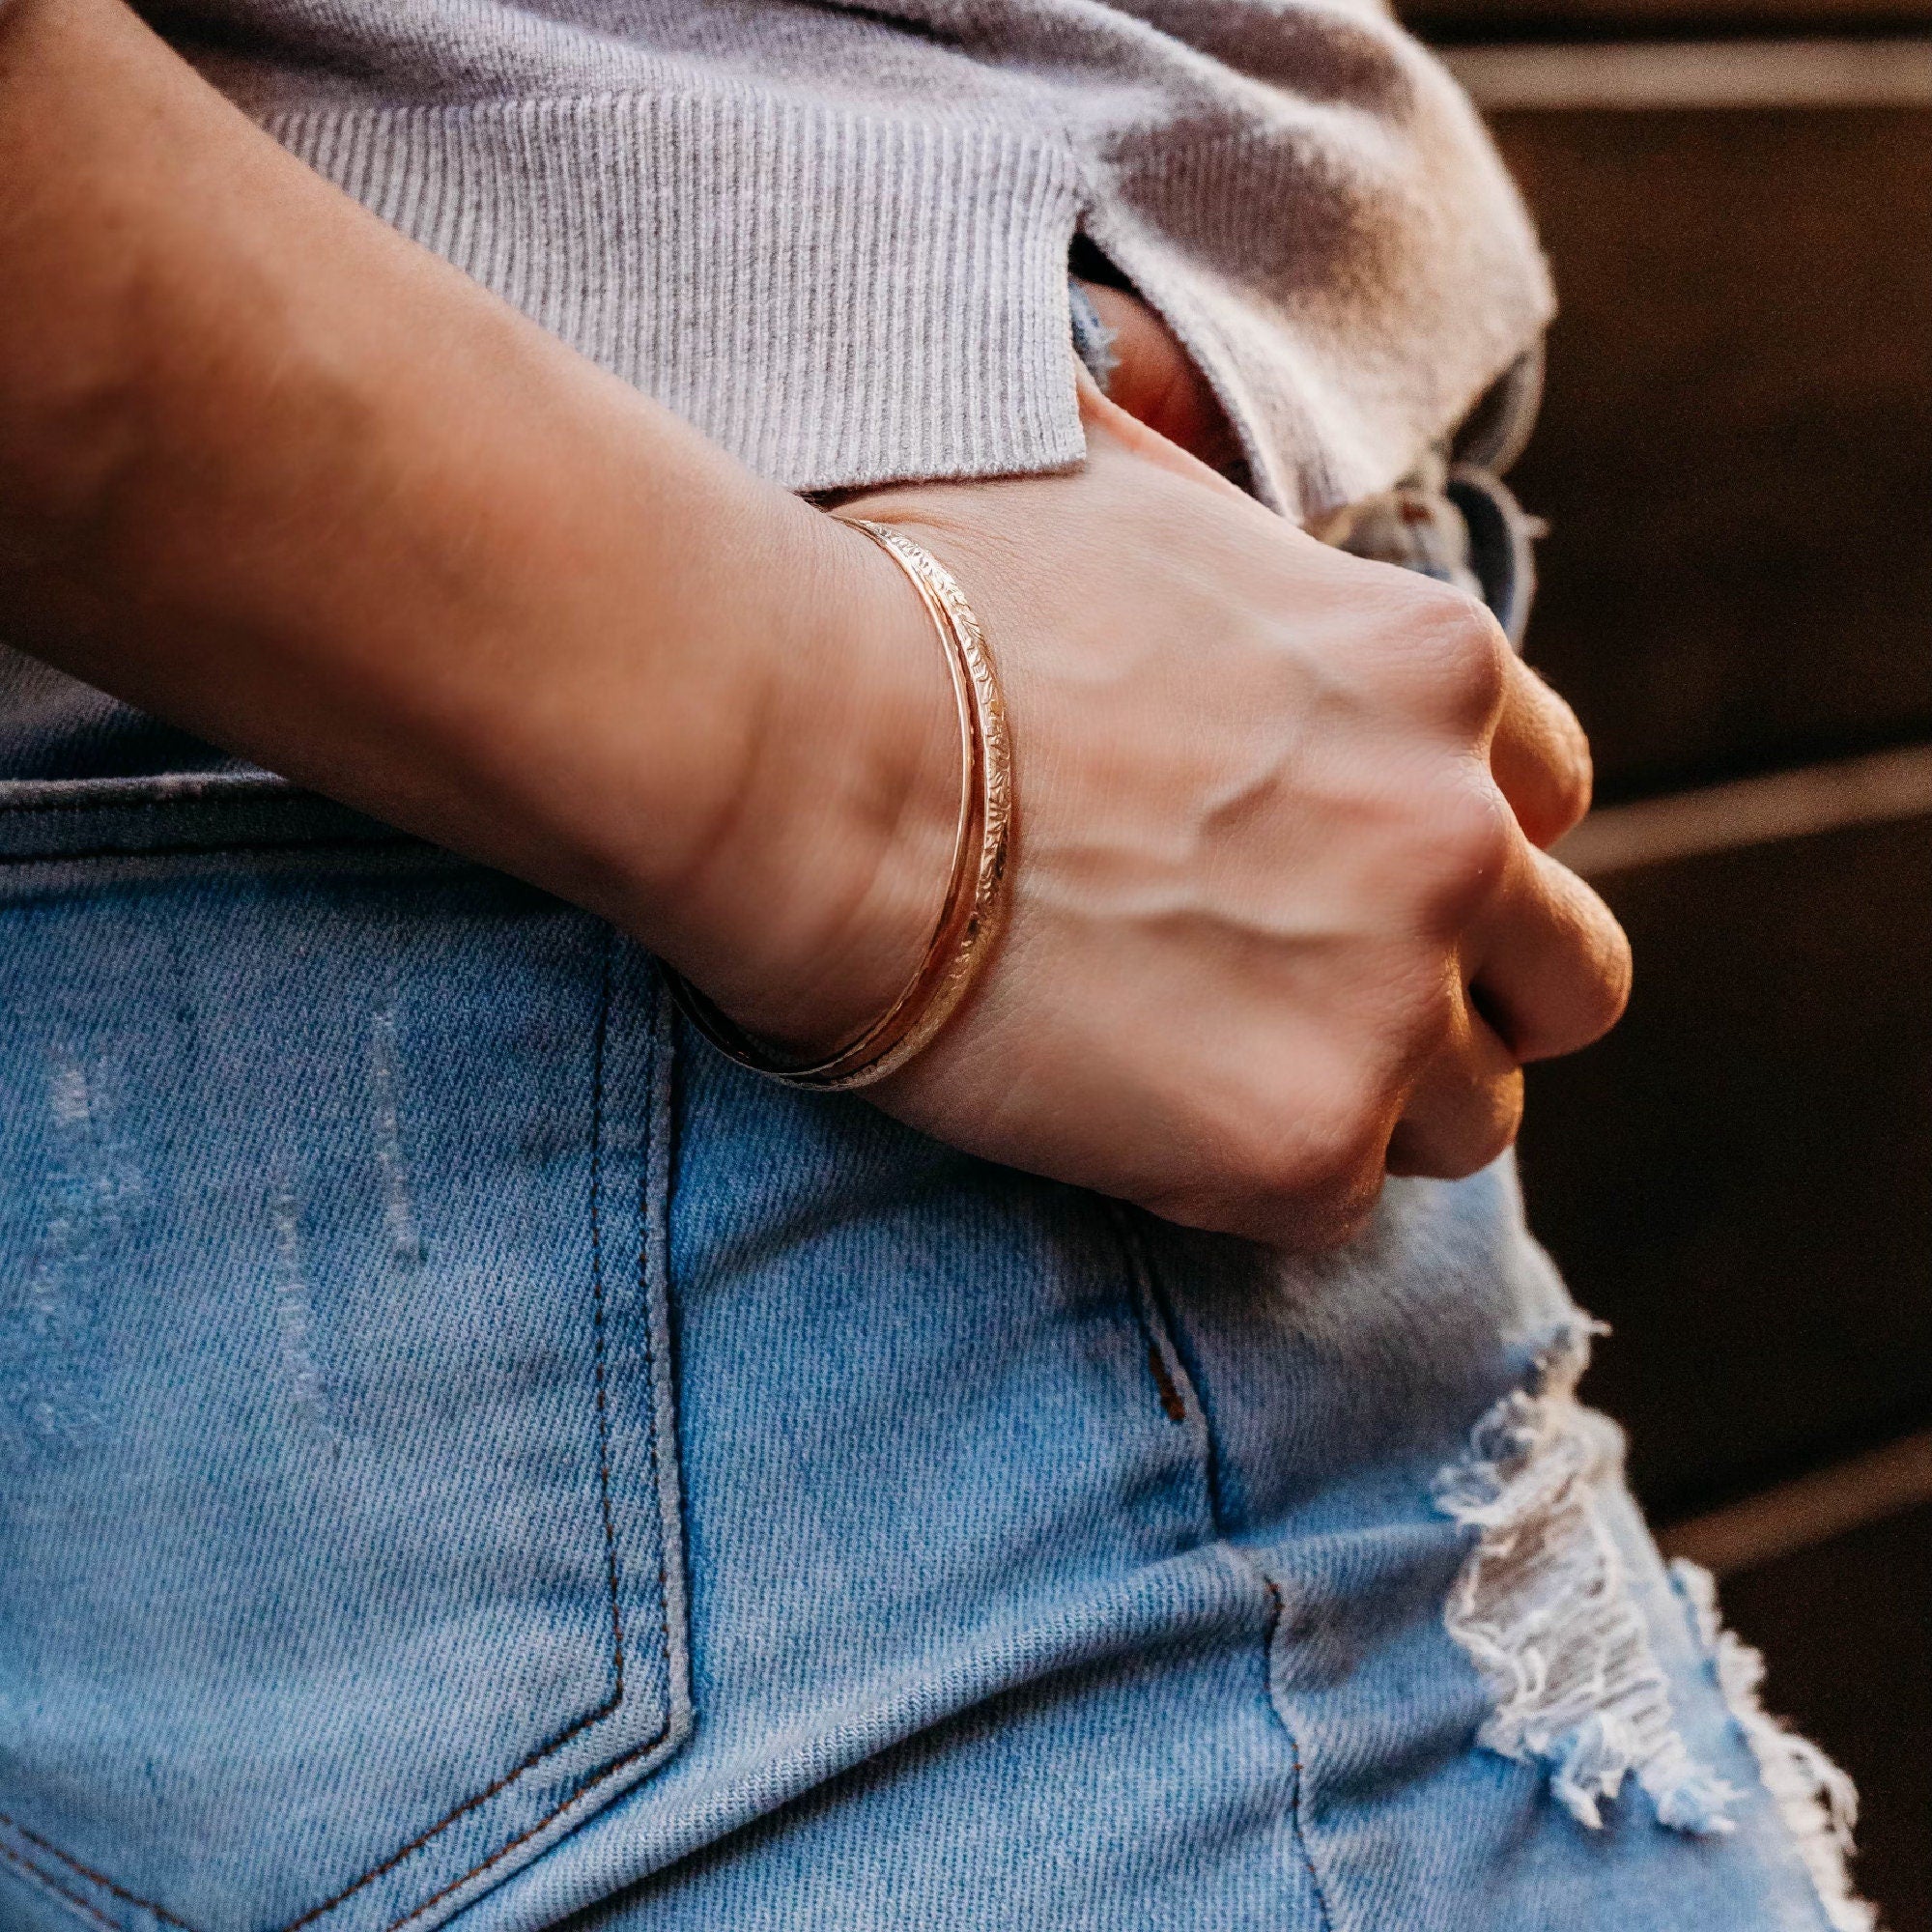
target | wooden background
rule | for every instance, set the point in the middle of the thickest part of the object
(1736, 461)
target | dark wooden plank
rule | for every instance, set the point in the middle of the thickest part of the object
(1737, 443)
(1736, 1178)
(1810, 1509)
(1846, 1629)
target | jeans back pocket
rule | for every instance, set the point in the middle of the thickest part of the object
(339, 1547)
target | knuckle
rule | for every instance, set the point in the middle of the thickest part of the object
(1596, 997)
(1322, 1202)
(1468, 659)
(1574, 780)
(1414, 1017)
(1467, 836)
(1563, 778)
(1338, 1153)
(1316, 1165)
(1474, 1149)
(1308, 1224)
(1496, 1132)
(1299, 1140)
(1434, 1019)
(1608, 970)
(1615, 973)
(1339, 1221)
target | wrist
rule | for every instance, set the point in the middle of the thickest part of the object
(806, 894)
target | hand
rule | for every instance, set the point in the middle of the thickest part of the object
(1280, 922)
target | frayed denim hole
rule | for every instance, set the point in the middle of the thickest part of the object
(1546, 1610)
(1817, 1801)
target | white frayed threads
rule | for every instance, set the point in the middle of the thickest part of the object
(1816, 1800)
(1544, 1607)
(399, 1217)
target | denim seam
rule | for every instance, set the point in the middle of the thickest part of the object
(1148, 1316)
(1157, 1316)
(600, 1043)
(295, 845)
(509, 1845)
(174, 802)
(61, 1891)
(653, 1084)
(1296, 1816)
(607, 1709)
(377, 834)
(52, 1884)
(1272, 1696)
(654, 1182)
(1175, 1371)
(1167, 1368)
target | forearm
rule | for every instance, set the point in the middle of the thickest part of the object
(275, 473)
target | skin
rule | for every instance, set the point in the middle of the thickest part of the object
(1282, 922)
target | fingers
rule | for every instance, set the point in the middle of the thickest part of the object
(1540, 757)
(1465, 1107)
(1107, 423)
(1549, 965)
(1157, 383)
(1550, 973)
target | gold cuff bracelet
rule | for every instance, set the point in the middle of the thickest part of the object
(973, 910)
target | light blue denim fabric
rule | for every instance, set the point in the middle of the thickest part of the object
(339, 1495)
(467, 1451)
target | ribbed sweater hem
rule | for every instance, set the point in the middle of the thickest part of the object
(754, 263)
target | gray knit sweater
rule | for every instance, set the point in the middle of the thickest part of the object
(836, 236)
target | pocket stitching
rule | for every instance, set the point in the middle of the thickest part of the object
(217, 796)
(61, 1891)
(612, 1704)
(297, 843)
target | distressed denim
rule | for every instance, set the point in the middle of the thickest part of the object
(468, 1452)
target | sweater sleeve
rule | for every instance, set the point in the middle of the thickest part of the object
(836, 236)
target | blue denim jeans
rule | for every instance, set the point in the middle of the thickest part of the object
(469, 1452)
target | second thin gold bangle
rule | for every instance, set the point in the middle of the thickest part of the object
(973, 910)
